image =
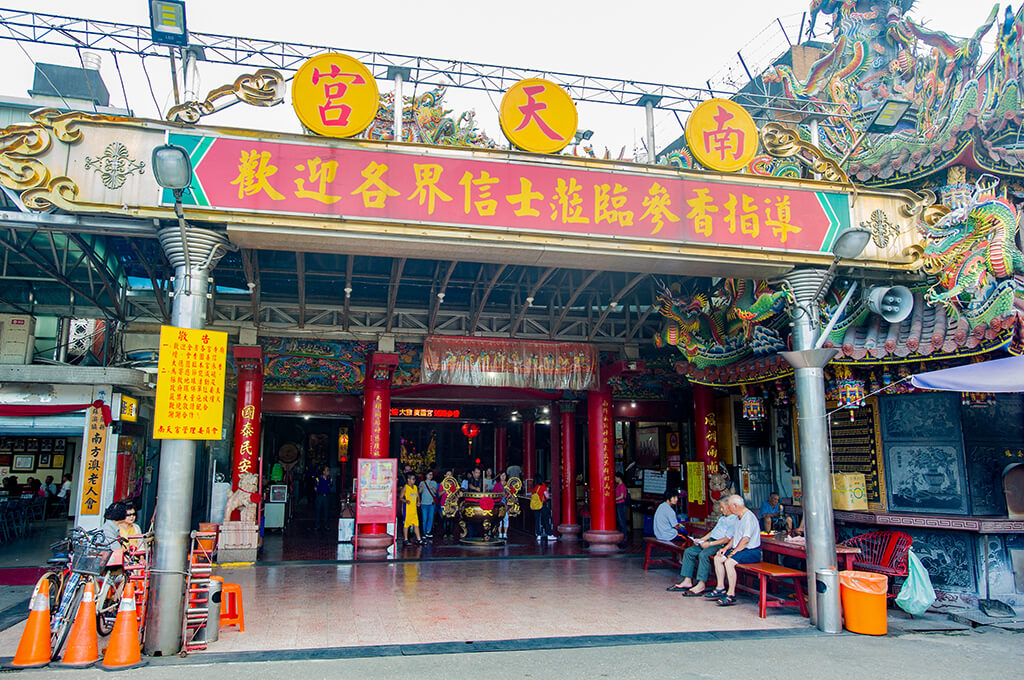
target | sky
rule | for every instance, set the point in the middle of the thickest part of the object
(680, 42)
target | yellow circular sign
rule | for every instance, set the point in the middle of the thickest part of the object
(722, 135)
(335, 95)
(537, 115)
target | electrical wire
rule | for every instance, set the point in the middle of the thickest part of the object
(120, 76)
(149, 82)
(43, 73)
(85, 74)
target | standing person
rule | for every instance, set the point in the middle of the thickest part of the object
(702, 550)
(499, 487)
(744, 548)
(411, 498)
(322, 488)
(621, 503)
(542, 517)
(488, 480)
(428, 502)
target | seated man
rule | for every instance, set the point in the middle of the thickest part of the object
(667, 526)
(702, 550)
(772, 516)
(744, 548)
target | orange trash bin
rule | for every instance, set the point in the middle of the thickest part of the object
(864, 602)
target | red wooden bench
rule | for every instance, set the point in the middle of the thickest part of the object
(675, 549)
(767, 572)
(883, 552)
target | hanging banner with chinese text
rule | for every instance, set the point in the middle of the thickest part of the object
(190, 384)
(364, 184)
(695, 483)
(496, 362)
(95, 448)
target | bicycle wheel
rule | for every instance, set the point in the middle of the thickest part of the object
(107, 602)
(61, 627)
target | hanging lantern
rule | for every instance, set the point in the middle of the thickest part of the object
(753, 406)
(471, 430)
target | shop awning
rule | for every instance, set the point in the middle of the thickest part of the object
(1000, 375)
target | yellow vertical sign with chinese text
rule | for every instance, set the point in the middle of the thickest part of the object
(695, 483)
(95, 448)
(190, 384)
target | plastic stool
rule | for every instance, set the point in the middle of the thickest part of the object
(232, 609)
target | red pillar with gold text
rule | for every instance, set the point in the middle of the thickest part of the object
(603, 535)
(706, 435)
(568, 526)
(248, 413)
(373, 539)
(529, 450)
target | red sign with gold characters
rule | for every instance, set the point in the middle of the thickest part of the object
(334, 95)
(95, 448)
(537, 115)
(190, 384)
(365, 184)
(722, 135)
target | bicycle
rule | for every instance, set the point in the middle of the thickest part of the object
(78, 558)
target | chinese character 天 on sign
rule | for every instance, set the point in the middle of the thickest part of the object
(722, 135)
(334, 95)
(537, 115)
(190, 384)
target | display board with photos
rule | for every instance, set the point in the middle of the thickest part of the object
(31, 454)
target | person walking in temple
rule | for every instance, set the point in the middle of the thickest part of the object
(542, 516)
(499, 487)
(322, 487)
(428, 503)
(621, 504)
(702, 550)
(744, 548)
(410, 498)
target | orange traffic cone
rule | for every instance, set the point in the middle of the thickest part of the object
(83, 648)
(123, 650)
(34, 648)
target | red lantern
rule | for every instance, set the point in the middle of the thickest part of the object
(471, 430)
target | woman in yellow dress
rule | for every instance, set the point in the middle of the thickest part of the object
(411, 498)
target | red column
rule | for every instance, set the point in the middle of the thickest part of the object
(569, 526)
(603, 535)
(375, 440)
(706, 435)
(529, 451)
(500, 447)
(248, 414)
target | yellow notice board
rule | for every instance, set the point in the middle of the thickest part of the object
(695, 483)
(95, 447)
(190, 384)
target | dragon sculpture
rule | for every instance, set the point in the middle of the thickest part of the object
(973, 251)
(717, 328)
(426, 121)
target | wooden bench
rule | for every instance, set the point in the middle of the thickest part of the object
(675, 549)
(767, 572)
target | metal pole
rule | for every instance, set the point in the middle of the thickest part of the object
(173, 518)
(809, 377)
(398, 106)
(651, 154)
(814, 140)
(174, 77)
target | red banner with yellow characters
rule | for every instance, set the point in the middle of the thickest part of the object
(190, 384)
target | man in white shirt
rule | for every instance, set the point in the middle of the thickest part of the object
(702, 550)
(744, 548)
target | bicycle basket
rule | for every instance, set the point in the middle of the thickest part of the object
(89, 559)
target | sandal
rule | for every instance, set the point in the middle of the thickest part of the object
(690, 593)
(715, 594)
(675, 588)
(727, 601)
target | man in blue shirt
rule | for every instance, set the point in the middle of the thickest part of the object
(772, 516)
(702, 550)
(666, 524)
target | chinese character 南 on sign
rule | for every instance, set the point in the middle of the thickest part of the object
(190, 384)
(95, 447)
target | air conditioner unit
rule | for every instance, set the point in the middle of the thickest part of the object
(17, 338)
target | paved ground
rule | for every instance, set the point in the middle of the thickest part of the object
(992, 654)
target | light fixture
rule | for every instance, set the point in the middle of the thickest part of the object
(547, 410)
(297, 398)
(888, 116)
(851, 243)
(614, 304)
(440, 298)
(172, 167)
(632, 404)
(582, 135)
(348, 291)
(649, 100)
(167, 22)
(529, 301)
(305, 417)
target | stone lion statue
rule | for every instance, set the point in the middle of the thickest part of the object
(244, 498)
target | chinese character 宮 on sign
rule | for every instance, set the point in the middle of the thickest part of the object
(190, 384)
